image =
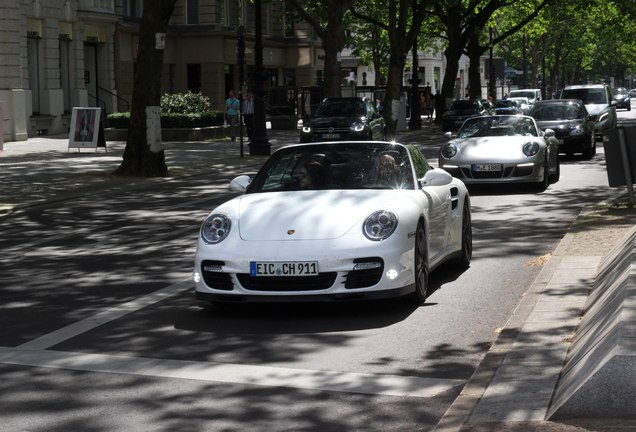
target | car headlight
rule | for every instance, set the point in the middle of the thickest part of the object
(449, 150)
(357, 127)
(380, 225)
(530, 149)
(215, 228)
(602, 116)
(578, 130)
(306, 129)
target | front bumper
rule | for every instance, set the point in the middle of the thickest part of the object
(339, 278)
(525, 172)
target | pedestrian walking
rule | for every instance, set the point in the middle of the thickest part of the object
(231, 111)
(248, 114)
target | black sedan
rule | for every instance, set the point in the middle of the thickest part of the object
(348, 118)
(459, 111)
(622, 97)
(507, 106)
(571, 123)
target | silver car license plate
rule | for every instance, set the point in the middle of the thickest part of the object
(331, 136)
(485, 167)
(283, 268)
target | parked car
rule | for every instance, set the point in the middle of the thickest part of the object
(507, 106)
(523, 102)
(347, 118)
(502, 149)
(571, 123)
(598, 102)
(632, 92)
(533, 95)
(489, 106)
(460, 110)
(622, 97)
(352, 235)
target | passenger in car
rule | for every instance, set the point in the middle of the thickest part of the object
(313, 175)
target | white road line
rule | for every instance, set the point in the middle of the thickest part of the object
(79, 327)
(347, 382)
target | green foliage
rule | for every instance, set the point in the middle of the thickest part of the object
(421, 164)
(121, 120)
(186, 103)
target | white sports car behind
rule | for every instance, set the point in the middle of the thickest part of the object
(329, 221)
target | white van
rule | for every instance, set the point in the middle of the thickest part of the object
(533, 95)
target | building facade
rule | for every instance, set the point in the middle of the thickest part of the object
(59, 54)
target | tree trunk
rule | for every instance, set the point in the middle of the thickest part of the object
(393, 92)
(143, 158)
(452, 55)
(332, 47)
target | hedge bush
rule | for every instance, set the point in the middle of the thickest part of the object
(179, 110)
(185, 103)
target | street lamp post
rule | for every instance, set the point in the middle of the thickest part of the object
(259, 145)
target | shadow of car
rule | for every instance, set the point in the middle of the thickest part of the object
(571, 123)
(343, 119)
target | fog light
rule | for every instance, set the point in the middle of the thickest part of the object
(197, 277)
(392, 274)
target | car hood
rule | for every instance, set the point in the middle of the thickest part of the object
(335, 121)
(462, 112)
(492, 148)
(559, 124)
(595, 109)
(306, 215)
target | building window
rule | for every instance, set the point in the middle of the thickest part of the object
(192, 9)
(133, 8)
(194, 77)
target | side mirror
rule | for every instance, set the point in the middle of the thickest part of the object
(448, 135)
(240, 183)
(436, 177)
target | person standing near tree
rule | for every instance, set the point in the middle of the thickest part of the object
(248, 114)
(231, 110)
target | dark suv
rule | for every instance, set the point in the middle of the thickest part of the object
(598, 102)
(344, 119)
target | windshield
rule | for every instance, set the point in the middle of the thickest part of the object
(491, 126)
(587, 95)
(341, 108)
(464, 105)
(336, 166)
(522, 93)
(556, 112)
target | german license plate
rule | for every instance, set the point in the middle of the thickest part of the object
(485, 167)
(283, 268)
(331, 136)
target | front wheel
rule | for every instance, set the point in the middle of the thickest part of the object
(421, 265)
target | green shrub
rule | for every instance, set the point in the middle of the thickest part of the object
(121, 120)
(186, 103)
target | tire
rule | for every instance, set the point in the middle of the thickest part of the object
(589, 152)
(545, 182)
(467, 237)
(420, 266)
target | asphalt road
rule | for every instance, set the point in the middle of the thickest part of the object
(96, 296)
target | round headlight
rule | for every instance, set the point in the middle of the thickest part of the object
(380, 225)
(357, 127)
(307, 129)
(215, 228)
(530, 149)
(449, 150)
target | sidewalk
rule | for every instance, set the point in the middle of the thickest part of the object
(512, 388)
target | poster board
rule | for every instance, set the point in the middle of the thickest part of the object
(87, 130)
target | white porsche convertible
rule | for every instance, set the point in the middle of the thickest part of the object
(334, 221)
